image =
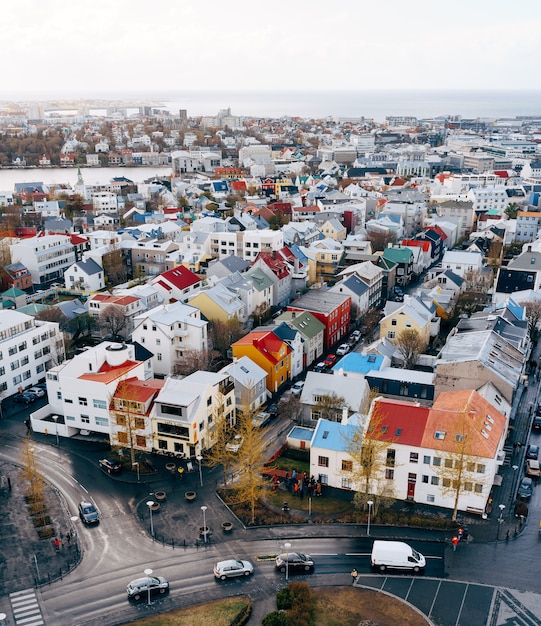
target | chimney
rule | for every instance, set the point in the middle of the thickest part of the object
(344, 419)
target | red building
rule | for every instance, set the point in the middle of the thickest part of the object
(333, 310)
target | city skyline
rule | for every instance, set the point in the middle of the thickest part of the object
(63, 48)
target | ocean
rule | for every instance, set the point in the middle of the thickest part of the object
(374, 105)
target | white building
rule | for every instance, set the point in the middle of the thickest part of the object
(257, 241)
(169, 332)
(28, 348)
(250, 383)
(81, 389)
(460, 262)
(47, 257)
(104, 201)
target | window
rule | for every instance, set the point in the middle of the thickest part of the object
(448, 463)
(412, 478)
(439, 434)
(139, 422)
(389, 474)
(158, 342)
(83, 401)
(141, 441)
(162, 444)
(425, 479)
(159, 356)
(426, 460)
(393, 322)
(414, 457)
(459, 438)
(121, 420)
(347, 466)
(346, 483)
(27, 375)
(99, 404)
(436, 461)
(480, 468)
(391, 334)
(404, 389)
(478, 488)
(468, 486)
(390, 460)
(2, 370)
(209, 400)
(323, 461)
(85, 419)
(102, 421)
(434, 480)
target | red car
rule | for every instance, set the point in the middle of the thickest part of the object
(330, 360)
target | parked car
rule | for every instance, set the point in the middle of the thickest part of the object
(342, 349)
(294, 561)
(525, 489)
(533, 469)
(320, 367)
(88, 513)
(330, 360)
(232, 568)
(356, 334)
(272, 410)
(296, 390)
(261, 419)
(235, 444)
(24, 398)
(532, 452)
(537, 422)
(37, 391)
(111, 466)
(141, 587)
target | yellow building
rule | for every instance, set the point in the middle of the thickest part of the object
(269, 352)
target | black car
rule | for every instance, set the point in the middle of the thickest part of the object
(272, 410)
(532, 452)
(25, 398)
(525, 489)
(88, 513)
(149, 585)
(294, 561)
(111, 466)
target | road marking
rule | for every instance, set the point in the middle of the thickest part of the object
(25, 607)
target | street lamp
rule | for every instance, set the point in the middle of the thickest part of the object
(199, 459)
(55, 417)
(136, 464)
(287, 546)
(500, 520)
(74, 519)
(204, 508)
(150, 504)
(148, 573)
(370, 503)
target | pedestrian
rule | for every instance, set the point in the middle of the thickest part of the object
(294, 475)
(27, 424)
(460, 534)
(318, 489)
(57, 544)
(296, 489)
(301, 489)
(454, 541)
(68, 537)
(354, 575)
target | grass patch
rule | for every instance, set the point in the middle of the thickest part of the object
(347, 606)
(320, 505)
(288, 465)
(217, 613)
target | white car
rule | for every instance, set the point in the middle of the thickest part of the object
(37, 391)
(233, 567)
(296, 390)
(235, 444)
(343, 349)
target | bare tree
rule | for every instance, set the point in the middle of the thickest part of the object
(533, 312)
(248, 462)
(114, 268)
(410, 344)
(82, 326)
(291, 406)
(223, 334)
(329, 407)
(112, 320)
(194, 360)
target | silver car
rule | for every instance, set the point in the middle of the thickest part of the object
(88, 513)
(141, 587)
(232, 568)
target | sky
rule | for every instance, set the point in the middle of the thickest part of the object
(103, 47)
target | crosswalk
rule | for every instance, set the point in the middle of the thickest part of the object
(25, 608)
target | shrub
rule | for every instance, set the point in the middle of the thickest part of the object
(284, 598)
(276, 618)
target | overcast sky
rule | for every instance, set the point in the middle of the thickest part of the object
(105, 47)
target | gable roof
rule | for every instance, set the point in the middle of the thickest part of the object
(397, 421)
(180, 277)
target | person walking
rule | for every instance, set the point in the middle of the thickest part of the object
(454, 541)
(57, 544)
(354, 574)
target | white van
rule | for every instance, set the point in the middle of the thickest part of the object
(396, 555)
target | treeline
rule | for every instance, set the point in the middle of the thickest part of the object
(32, 148)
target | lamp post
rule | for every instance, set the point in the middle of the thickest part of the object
(55, 417)
(287, 546)
(150, 504)
(370, 503)
(500, 520)
(199, 459)
(148, 573)
(74, 519)
(136, 464)
(204, 508)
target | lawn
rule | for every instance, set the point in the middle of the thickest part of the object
(217, 613)
(321, 505)
(288, 465)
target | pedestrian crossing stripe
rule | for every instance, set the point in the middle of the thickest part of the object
(25, 608)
